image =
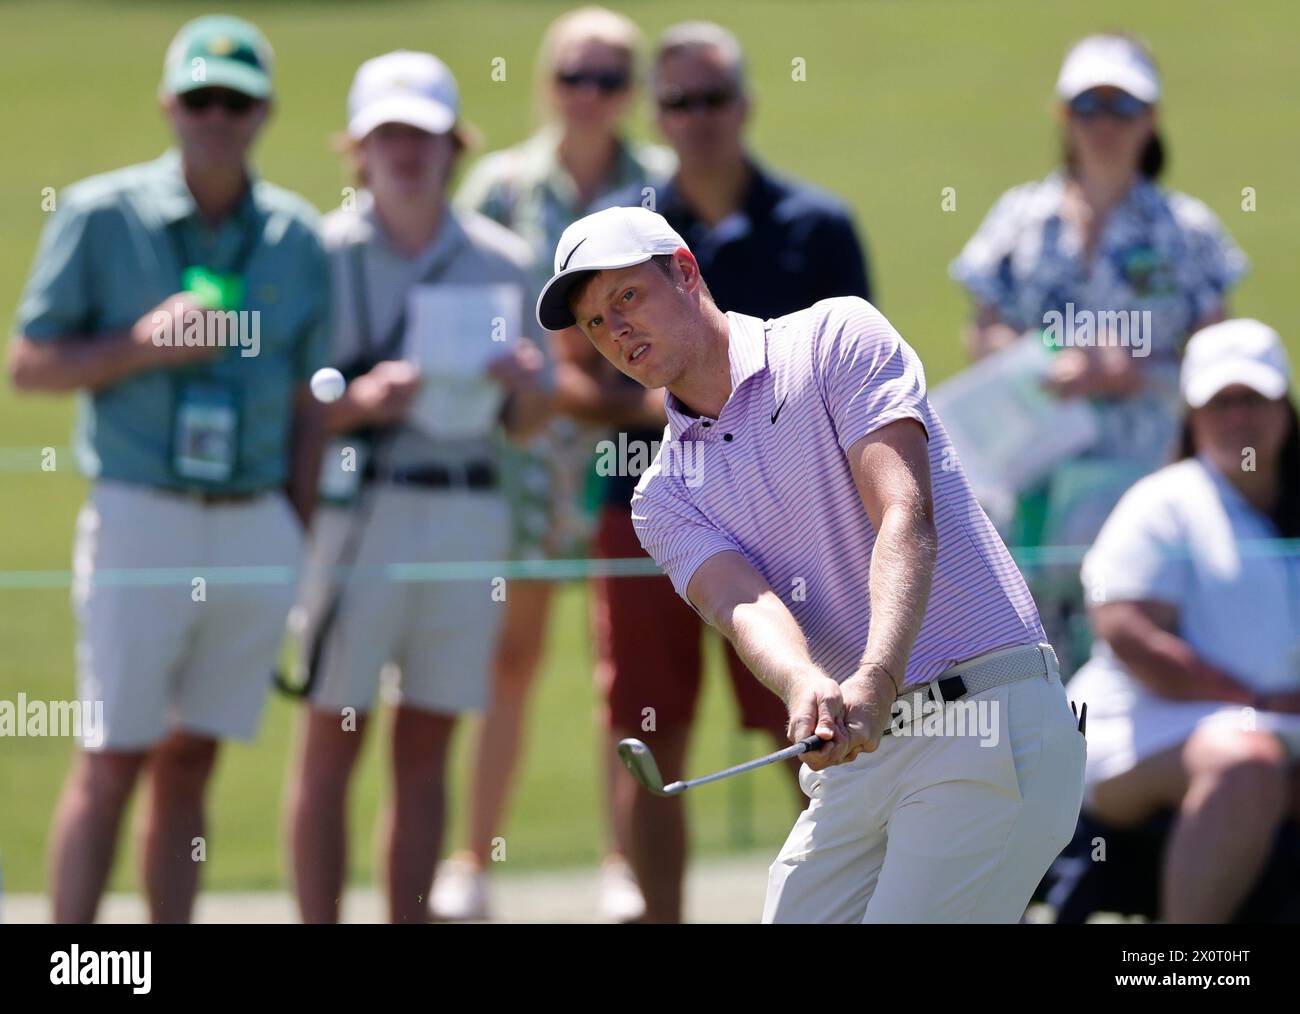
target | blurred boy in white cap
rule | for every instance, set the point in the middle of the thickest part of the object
(413, 478)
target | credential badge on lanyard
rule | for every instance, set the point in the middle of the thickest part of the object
(206, 437)
(206, 419)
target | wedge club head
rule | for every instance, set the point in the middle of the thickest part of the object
(638, 759)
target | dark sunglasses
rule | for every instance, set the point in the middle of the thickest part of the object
(607, 82)
(1121, 105)
(684, 102)
(232, 102)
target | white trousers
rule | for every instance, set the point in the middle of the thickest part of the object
(954, 826)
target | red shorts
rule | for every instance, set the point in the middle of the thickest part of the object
(648, 647)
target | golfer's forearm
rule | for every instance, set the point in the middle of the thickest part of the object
(902, 563)
(768, 640)
(68, 364)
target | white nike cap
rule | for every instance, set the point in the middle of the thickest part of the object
(1239, 351)
(609, 239)
(406, 87)
(1113, 60)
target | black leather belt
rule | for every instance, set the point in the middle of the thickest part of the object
(471, 475)
(951, 688)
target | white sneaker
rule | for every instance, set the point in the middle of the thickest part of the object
(460, 891)
(620, 897)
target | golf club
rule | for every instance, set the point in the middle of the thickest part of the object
(640, 761)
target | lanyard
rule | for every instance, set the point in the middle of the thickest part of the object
(387, 348)
(248, 246)
(252, 239)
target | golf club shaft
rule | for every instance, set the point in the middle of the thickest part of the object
(802, 747)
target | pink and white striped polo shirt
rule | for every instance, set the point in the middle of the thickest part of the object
(769, 478)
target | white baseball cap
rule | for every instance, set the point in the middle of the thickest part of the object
(1234, 352)
(609, 239)
(416, 89)
(1108, 60)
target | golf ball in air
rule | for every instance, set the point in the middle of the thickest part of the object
(327, 384)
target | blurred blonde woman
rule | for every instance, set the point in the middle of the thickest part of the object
(575, 163)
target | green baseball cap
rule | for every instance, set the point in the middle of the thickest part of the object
(217, 51)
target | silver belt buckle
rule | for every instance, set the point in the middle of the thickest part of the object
(1051, 666)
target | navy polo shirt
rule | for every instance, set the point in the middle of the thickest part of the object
(788, 246)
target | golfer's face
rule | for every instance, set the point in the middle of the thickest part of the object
(636, 318)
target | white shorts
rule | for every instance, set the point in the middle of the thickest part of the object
(438, 635)
(1128, 724)
(160, 650)
(938, 828)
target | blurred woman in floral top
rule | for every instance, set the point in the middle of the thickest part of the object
(1115, 272)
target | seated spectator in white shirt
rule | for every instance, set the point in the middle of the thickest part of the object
(1193, 687)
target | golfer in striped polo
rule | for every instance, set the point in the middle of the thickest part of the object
(808, 503)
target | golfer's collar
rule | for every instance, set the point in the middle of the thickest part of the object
(747, 354)
(747, 349)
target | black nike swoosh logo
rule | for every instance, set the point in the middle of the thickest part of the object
(778, 410)
(565, 265)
